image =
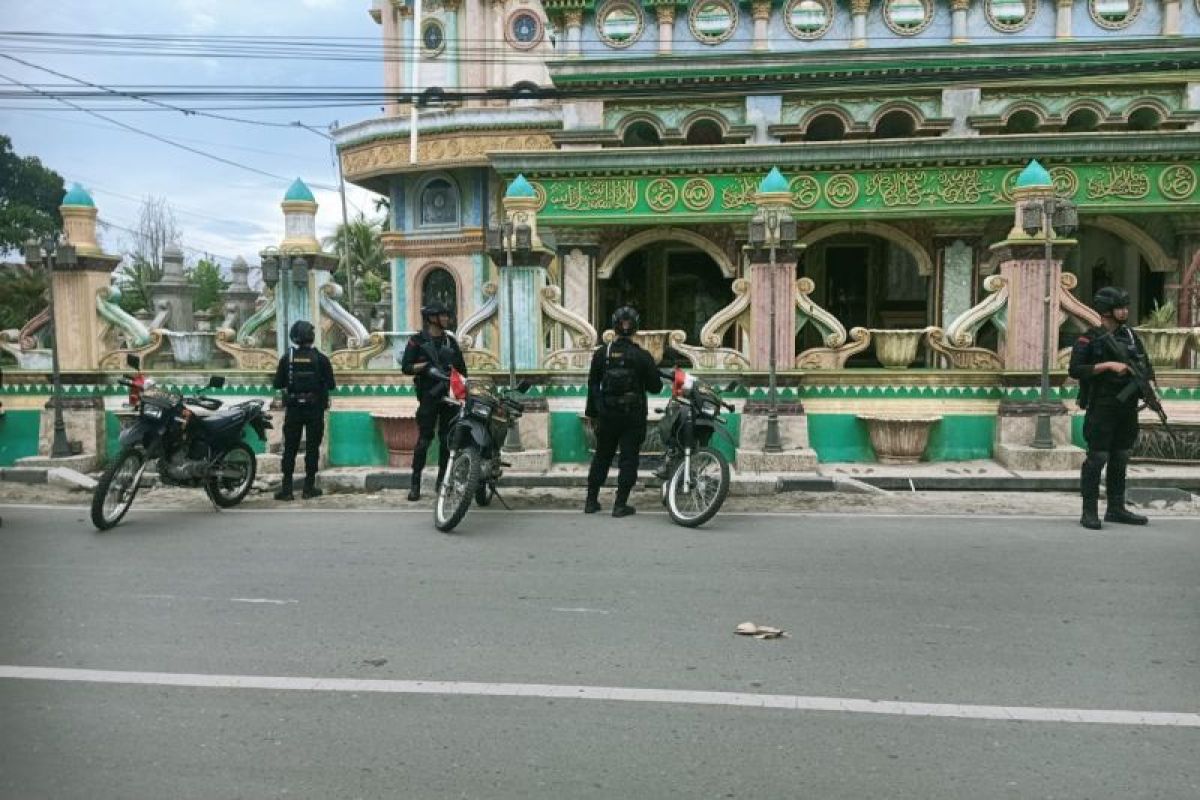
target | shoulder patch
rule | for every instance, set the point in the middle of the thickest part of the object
(1084, 340)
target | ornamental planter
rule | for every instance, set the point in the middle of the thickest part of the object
(399, 436)
(896, 348)
(1164, 346)
(899, 440)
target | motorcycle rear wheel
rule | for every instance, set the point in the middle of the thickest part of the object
(226, 491)
(117, 487)
(459, 488)
(709, 486)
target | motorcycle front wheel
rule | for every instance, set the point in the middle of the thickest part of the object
(232, 476)
(708, 486)
(459, 488)
(117, 487)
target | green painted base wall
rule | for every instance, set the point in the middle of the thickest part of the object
(19, 435)
(353, 440)
(567, 441)
(844, 437)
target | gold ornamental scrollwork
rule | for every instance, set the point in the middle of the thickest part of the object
(1009, 182)
(961, 186)
(539, 192)
(697, 194)
(1066, 183)
(1177, 182)
(739, 193)
(841, 190)
(1126, 183)
(661, 195)
(806, 191)
(901, 187)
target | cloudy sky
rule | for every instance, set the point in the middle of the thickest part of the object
(221, 209)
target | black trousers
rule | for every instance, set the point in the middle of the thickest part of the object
(613, 433)
(1111, 430)
(433, 418)
(312, 425)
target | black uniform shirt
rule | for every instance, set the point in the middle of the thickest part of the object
(642, 362)
(324, 369)
(1090, 349)
(423, 347)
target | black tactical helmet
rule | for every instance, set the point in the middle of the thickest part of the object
(1110, 297)
(626, 313)
(433, 310)
(302, 333)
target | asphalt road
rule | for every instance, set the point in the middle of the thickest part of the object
(981, 617)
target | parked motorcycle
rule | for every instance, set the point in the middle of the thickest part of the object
(196, 440)
(475, 438)
(695, 475)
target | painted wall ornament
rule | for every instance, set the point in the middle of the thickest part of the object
(1125, 182)
(697, 194)
(907, 17)
(620, 23)
(1114, 15)
(841, 190)
(1177, 182)
(596, 194)
(806, 191)
(661, 195)
(712, 21)
(1010, 16)
(808, 19)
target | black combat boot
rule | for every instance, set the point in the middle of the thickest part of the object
(592, 504)
(285, 490)
(310, 488)
(621, 507)
(1091, 513)
(414, 492)
(1117, 512)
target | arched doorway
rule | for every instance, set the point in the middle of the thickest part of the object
(438, 286)
(673, 285)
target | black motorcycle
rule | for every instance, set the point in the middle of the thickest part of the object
(485, 415)
(196, 441)
(695, 476)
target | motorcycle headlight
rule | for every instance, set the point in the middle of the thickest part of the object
(708, 407)
(482, 410)
(152, 412)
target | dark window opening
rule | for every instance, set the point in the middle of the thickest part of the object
(825, 128)
(1083, 120)
(1022, 122)
(641, 134)
(896, 125)
(705, 131)
(1145, 119)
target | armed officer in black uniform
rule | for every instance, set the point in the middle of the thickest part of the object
(428, 357)
(1100, 362)
(621, 374)
(306, 378)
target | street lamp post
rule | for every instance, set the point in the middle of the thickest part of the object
(1051, 216)
(773, 231)
(503, 241)
(53, 252)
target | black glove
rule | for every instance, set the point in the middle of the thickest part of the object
(436, 374)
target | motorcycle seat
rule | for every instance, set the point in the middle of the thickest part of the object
(223, 420)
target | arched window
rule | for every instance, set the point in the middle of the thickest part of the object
(895, 125)
(438, 286)
(439, 203)
(825, 128)
(1145, 119)
(1082, 120)
(1022, 122)
(641, 134)
(705, 131)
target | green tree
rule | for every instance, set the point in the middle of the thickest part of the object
(360, 243)
(22, 295)
(133, 278)
(143, 265)
(206, 277)
(29, 198)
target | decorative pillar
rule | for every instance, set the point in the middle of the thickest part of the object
(573, 20)
(957, 279)
(455, 70)
(77, 323)
(499, 78)
(392, 59)
(521, 282)
(858, 22)
(775, 432)
(239, 298)
(1023, 266)
(958, 21)
(761, 11)
(1062, 26)
(666, 27)
(303, 266)
(174, 294)
(1170, 20)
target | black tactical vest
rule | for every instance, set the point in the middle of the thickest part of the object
(304, 389)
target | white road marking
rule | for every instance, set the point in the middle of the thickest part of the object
(264, 600)
(582, 610)
(848, 705)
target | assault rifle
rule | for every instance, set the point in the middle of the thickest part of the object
(1140, 384)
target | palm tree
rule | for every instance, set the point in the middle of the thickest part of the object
(23, 295)
(359, 244)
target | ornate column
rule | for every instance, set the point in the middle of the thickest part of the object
(499, 76)
(958, 21)
(1062, 26)
(173, 293)
(761, 11)
(453, 48)
(393, 61)
(1170, 20)
(77, 323)
(301, 262)
(1023, 266)
(665, 12)
(239, 298)
(858, 22)
(573, 21)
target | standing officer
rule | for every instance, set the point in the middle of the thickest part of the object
(1100, 362)
(306, 378)
(428, 356)
(621, 374)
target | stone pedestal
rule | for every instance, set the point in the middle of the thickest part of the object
(1016, 424)
(899, 439)
(400, 434)
(535, 439)
(796, 456)
(84, 420)
(174, 293)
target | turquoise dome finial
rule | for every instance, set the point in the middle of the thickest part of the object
(78, 196)
(299, 192)
(774, 182)
(520, 188)
(1033, 175)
